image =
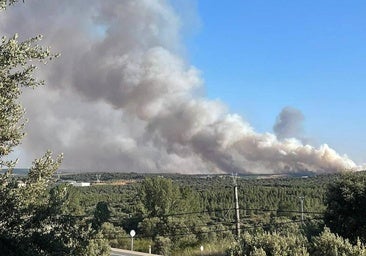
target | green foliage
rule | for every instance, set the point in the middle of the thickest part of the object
(22, 208)
(141, 244)
(150, 227)
(32, 217)
(346, 207)
(116, 236)
(97, 246)
(161, 196)
(73, 203)
(5, 3)
(33, 220)
(163, 245)
(101, 214)
(289, 243)
(329, 244)
(134, 205)
(164, 202)
(272, 204)
(258, 252)
(275, 244)
(16, 72)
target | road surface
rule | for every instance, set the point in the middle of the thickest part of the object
(120, 252)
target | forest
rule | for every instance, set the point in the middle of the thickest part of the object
(177, 214)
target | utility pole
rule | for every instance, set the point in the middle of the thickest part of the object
(302, 208)
(236, 206)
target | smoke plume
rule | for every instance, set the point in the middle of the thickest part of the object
(121, 97)
(289, 123)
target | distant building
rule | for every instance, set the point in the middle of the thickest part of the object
(81, 184)
(74, 183)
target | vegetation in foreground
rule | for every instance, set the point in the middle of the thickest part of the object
(32, 217)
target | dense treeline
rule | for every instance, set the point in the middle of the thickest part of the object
(182, 211)
(175, 214)
(215, 192)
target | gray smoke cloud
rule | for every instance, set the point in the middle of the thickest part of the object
(121, 97)
(289, 124)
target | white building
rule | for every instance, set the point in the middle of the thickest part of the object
(81, 184)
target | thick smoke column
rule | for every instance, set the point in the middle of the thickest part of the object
(121, 98)
(289, 123)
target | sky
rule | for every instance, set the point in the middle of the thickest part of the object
(196, 86)
(261, 56)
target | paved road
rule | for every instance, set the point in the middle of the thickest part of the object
(120, 252)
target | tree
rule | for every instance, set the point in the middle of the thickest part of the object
(116, 236)
(15, 73)
(346, 207)
(330, 244)
(166, 204)
(5, 3)
(31, 218)
(161, 196)
(273, 243)
(101, 214)
(289, 243)
(163, 245)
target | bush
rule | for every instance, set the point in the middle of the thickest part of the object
(329, 244)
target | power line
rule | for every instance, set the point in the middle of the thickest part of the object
(280, 211)
(203, 212)
(216, 210)
(274, 224)
(234, 229)
(242, 209)
(225, 230)
(197, 212)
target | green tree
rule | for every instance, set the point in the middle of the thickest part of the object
(15, 73)
(163, 245)
(98, 246)
(273, 243)
(32, 220)
(116, 236)
(73, 206)
(165, 204)
(346, 207)
(329, 244)
(101, 214)
(160, 196)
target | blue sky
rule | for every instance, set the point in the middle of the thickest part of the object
(261, 56)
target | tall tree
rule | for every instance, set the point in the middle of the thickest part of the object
(31, 220)
(346, 207)
(101, 214)
(160, 196)
(16, 71)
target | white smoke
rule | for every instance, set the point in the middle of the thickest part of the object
(121, 97)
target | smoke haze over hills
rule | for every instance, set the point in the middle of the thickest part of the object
(121, 97)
